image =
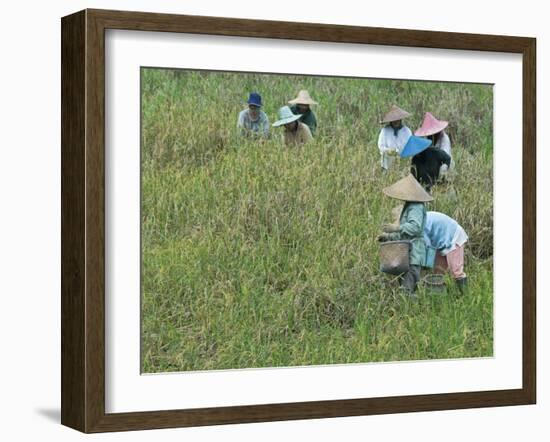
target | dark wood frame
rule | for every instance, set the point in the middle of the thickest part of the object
(83, 217)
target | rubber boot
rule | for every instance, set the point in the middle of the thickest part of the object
(410, 280)
(462, 285)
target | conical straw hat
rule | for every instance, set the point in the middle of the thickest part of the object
(395, 113)
(408, 189)
(430, 126)
(303, 98)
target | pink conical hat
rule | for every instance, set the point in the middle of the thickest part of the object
(430, 126)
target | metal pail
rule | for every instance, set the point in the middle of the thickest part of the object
(435, 283)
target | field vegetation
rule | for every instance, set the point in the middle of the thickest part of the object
(259, 255)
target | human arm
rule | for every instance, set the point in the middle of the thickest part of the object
(411, 225)
(395, 236)
(383, 237)
(265, 126)
(445, 144)
(384, 144)
(240, 119)
(241, 123)
(414, 170)
(444, 157)
(313, 123)
(390, 228)
(306, 133)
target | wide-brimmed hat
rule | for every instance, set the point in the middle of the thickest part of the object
(408, 189)
(395, 113)
(303, 98)
(255, 99)
(286, 116)
(414, 146)
(430, 126)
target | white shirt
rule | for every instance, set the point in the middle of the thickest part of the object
(388, 142)
(444, 143)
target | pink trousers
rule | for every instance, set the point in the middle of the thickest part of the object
(452, 262)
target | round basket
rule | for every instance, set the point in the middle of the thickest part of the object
(435, 283)
(394, 257)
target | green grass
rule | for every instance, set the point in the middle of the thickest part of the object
(259, 255)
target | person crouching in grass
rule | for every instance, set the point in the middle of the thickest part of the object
(253, 120)
(393, 136)
(448, 238)
(301, 106)
(411, 227)
(295, 132)
(426, 160)
(434, 130)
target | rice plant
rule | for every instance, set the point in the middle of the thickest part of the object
(255, 254)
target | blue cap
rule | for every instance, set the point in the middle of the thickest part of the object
(414, 146)
(255, 99)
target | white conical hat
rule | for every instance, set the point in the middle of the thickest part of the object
(408, 189)
(303, 98)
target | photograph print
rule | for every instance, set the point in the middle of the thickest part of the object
(291, 220)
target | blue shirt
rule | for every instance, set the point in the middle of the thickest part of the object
(440, 230)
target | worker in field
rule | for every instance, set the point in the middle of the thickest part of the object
(295, 132)
(410, 227)
(301, 105)
(393, 136)
(448, 238)
(434, 130)
(427, 161)
(252, 120)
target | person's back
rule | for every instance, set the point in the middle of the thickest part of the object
(439, 230)
(448, 237)
(426, 165)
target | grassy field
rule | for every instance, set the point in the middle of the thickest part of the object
(259, 255)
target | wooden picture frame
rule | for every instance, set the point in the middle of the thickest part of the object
(83, 220)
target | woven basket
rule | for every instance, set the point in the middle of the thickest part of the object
(394, 257)
(435, 283)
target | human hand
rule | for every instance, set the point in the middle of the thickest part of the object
(390, 228)
(383, 237)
